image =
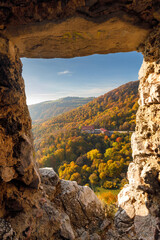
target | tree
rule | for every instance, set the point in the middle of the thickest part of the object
(94, 154)
(108, 184)
(114, 169)
(76, 177)
(82, 160)
(118, 139)
(102, 175)
(109, 153)
(59, 154)
(93, 179)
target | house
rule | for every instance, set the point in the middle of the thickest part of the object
(90, 129)
(87, 129)
(105, 131)
(97, 131)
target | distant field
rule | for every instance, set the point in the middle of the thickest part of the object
(100, 190)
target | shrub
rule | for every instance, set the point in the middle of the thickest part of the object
(108, 197)
(109, 184)
(109, 201)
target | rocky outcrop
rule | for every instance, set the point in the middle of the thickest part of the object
(58, 210)
(139, 200)
(48, 29)
(6, 231)
(80, 211)
(17, 161)
(29, 209)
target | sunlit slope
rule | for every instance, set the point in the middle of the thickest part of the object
(45, 110)
(115, 110)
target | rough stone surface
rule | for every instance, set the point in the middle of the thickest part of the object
(139, 205)
(50, 28)
(68, 214)
(81, 203)
(6, 231)
(16, 148)
(49, 176)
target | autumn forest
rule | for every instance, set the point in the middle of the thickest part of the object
(96, 160)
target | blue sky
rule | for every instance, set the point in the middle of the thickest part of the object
(50, 79)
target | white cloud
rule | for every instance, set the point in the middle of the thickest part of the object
(64, 72)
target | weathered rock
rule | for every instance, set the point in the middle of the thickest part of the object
(8, 173)
(95, 236)
(105, 224)
(48, 176)
(77, 28)
(16, 143)
(6, 231)
(49, 179)
(67, 213)
(81, 205)
(139, 201)
(84, 236)
(66, 229)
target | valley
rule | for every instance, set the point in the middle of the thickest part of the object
(96, 160)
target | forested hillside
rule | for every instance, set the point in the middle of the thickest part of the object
(115, 110)
(48, 109)
(96, 160)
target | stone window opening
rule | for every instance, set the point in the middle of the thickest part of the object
(68, 29)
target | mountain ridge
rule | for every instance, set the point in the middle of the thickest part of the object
(45, 110)
(111, 111)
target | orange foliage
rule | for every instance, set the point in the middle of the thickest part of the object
(108, 197)
(118, 139)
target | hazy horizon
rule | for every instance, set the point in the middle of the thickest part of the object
(75, 96)
(91, 76)
(59, 99)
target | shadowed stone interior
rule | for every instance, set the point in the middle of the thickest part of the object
(57, 209)
(69, 28)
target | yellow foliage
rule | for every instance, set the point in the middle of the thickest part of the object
(108, 197)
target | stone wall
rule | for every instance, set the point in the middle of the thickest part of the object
(70, 28)
(16, 145)
(139, 200)
(59, 209)
(29, 208)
